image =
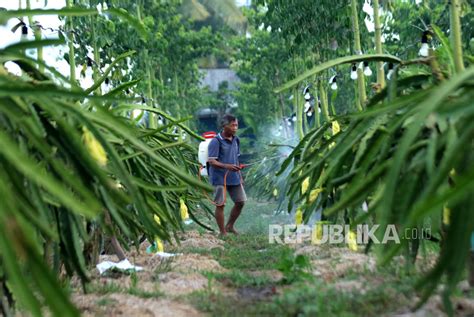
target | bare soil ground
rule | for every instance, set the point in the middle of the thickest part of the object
(156, 290)
(210, 275)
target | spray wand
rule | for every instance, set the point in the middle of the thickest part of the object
(261, 161)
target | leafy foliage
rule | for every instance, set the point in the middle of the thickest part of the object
(294, 268)
(409, 156)
(215, 13)
(167, 58)
(75, 166)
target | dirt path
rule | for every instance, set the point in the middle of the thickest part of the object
(247, 276)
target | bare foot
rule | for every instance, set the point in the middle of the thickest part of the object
(222, 234)
(231, 229)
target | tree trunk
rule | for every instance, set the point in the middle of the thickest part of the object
(176, 90)
(151, 116)
(456, 35)
(282, 115)
(378, 44)
(358, 50)
(324, 101)
(37, 33)
(297, 106)
(96, 65)
(72, 60)
(317, 121)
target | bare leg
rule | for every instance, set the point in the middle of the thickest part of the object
(234, 214)
(220, 219)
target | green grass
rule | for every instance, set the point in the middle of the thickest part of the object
(319, 299)
(164, 266)
(219, 305)
(105, 288)
(250, 252)
(111, 288)
(105, 301)
(255, 217)
(315, 298)
(144, 294)
(201, 251)
(237, 278)
(308, 299)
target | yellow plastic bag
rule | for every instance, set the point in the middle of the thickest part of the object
(335, 127)
(352, 241)
(299, 216)
(183, 209)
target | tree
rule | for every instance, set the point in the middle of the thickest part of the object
(166, 61)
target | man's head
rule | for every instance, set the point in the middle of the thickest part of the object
(229, 124)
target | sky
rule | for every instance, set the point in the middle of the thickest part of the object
(51, 55)
(243, 2)
(7, 37)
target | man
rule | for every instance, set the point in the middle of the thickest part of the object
(224, 152)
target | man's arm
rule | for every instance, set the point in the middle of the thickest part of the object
(218, 164)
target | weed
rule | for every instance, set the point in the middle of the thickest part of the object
(103, 288)
(164, 266)
(237, 278)
(133, 279)
(226, 306)
(294, 268)
(105, 301)
(144, 294)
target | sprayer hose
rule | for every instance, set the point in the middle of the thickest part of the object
(225, 187)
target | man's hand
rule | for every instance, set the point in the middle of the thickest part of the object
(232, 167)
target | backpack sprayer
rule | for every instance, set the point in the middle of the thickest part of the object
(203, 152)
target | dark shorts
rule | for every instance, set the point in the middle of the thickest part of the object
(236, 193)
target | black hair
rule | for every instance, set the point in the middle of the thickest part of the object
(226, 119)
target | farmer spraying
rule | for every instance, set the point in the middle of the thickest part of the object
(224, 172)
